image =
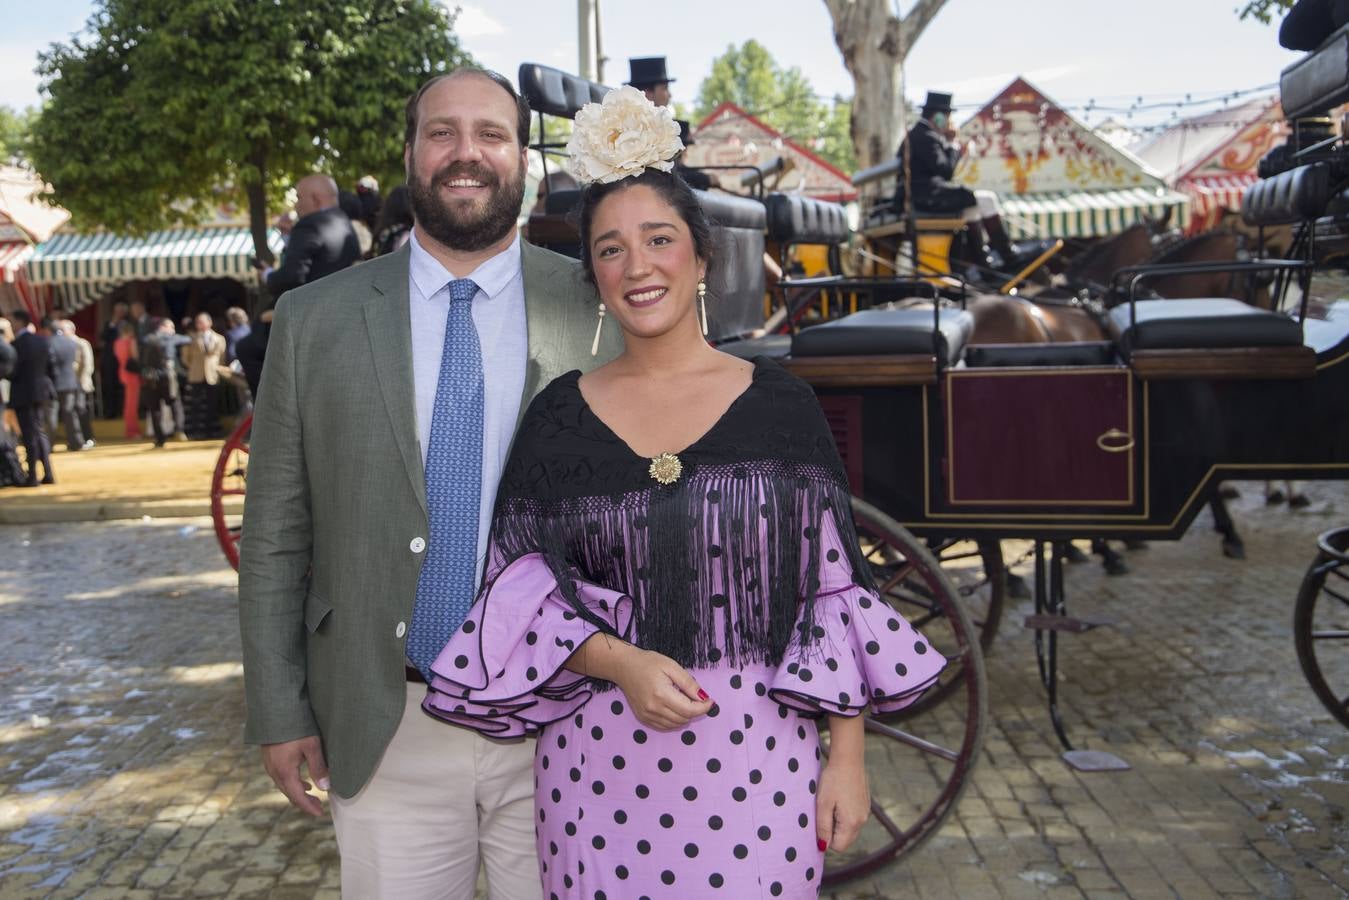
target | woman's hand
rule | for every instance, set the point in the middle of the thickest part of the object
(660, 692)
(843, 802)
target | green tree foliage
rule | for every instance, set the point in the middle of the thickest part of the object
(783, 99)
(1264, 10)
(14, 133)
(164, 109)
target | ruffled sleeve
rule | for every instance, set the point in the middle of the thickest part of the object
(501, 673)
(854, 653)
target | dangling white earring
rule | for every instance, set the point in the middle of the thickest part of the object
(702, 304)
(595, 344)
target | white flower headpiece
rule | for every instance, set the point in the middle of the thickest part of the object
(621, 136)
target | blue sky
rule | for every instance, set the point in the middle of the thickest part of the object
(1074, 50)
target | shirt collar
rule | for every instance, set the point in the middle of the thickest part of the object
(492, 276)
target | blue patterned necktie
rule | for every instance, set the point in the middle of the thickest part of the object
(445, 588)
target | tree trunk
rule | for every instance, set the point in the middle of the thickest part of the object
(874, 43)
(257, 207)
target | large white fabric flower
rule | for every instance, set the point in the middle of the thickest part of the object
(621, 136)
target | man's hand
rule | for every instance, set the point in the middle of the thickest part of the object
(282, 762)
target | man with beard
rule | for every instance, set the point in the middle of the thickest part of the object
(388, 403)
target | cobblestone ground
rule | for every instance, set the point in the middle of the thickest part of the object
(122, 775)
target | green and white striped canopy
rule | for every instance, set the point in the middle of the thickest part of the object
(1090, 213)
(109, 259)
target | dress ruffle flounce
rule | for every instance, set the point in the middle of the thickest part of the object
(861, 656)
(866, 657)
(501, 673)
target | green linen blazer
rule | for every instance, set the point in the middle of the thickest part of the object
(337, 495)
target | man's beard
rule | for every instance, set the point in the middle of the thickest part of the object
(468, 229)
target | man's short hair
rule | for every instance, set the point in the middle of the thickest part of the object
(22, 317)
(236, 316)
(47, 324)
(521, 104)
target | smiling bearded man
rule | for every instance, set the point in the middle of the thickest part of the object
(370, 492)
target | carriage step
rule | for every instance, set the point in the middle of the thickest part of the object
(1094, 761)
(1072, 624)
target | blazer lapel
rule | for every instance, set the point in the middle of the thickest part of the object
(547, 303)
(389, 325)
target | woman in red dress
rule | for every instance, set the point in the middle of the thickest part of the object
(124, 348)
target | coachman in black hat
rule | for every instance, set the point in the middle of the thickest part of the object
(647, 74)
(932, 157)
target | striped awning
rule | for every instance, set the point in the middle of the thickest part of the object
(109, 259)
(1090, 213)
(13, 254)
(1221, 190)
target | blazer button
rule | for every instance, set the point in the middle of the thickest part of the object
(417, 545)
(401, 630)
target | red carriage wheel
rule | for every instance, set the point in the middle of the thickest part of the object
(920, 757)
(229, 480)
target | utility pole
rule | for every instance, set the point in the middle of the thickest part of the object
(587, 39)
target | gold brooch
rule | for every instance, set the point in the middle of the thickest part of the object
(666, 468)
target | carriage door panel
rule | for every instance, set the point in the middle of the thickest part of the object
(1040, 437)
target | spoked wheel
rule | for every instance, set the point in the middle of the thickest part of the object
(979, 573)
(976, 571)
(229, 480)
(921, 757)
(1321, 624)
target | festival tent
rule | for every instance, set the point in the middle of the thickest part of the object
(730, 136)
(25, 221)
(1213, 157)
(1054, 176)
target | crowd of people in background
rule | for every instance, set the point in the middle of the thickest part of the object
(164, 378)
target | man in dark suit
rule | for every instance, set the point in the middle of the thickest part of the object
(932, 156)
(109, 384)
(322, 241)
(31, 389)
(64, 353)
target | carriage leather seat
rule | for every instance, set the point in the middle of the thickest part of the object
(1290, 197)
(1200, 324)
(1067, 353)
(888, 332)
(774, 346)
(794, 219)
(555, 92)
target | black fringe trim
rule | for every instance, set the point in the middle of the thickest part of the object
(761, 520)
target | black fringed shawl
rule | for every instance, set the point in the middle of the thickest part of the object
(753, 494)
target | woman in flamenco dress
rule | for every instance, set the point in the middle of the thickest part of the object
(674, 593)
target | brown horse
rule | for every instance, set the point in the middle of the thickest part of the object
(1055, 317)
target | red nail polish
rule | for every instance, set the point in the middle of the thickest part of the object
(702, 694)
(823, 846)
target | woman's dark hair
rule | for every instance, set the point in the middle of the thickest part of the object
(671, 188)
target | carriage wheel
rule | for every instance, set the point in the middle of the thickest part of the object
(975, 569)
(928, 755)
(978, 571)
(1321, 624)
(229, 480)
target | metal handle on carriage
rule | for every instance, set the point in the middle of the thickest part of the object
(1115, 434)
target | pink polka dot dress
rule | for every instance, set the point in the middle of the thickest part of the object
(746, 571)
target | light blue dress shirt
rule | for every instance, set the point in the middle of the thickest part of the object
(499, 315)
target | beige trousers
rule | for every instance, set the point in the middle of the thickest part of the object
(440, 796)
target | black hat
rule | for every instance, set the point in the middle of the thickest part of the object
(644, 71)
(937, 102)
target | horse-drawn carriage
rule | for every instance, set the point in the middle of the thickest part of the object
(951, 446)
